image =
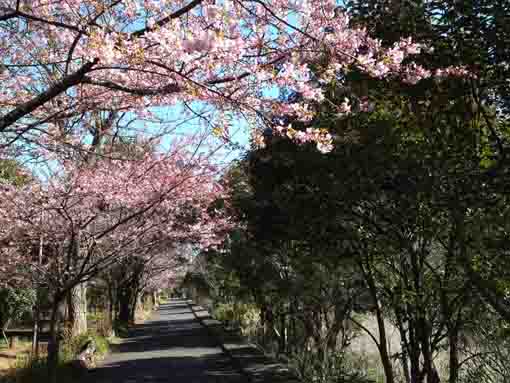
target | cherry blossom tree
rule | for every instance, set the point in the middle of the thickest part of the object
(144, 274)
(93, 217)
(64, 60)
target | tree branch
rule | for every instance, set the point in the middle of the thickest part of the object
(58, 88)
(165, 20)
(170, 88)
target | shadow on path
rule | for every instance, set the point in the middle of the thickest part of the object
(171, 347)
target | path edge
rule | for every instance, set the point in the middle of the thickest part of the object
(216, 330)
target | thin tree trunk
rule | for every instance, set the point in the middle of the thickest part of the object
(37, 308)
(414, 353)
(405, 348)
(453, 339)
(5, 337)
(383, 342)
(54, 342)
(155, 299)
(35, 338)
(111, 307)
(136, 306)
(4, 328)
(124, 306)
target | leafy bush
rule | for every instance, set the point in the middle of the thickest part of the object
(224, 312)
(73, 346)
(121, 329)
(30, 370)
(102, 323)
(340, 366)
(243, 315)
(14, 303)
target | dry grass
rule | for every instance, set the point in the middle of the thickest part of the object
(9, 357)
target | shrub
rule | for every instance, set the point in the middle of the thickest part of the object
(73, 346)
(30, 370)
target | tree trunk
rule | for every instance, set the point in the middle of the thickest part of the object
(414, 353)
(124, 305)
(35, 338)
(453, 340)
(263, 323)
(136, 306)
(155, 300)
(4, 329)
(283, 335)
(110, 306)
(128, 300)
(383, 349)
(383, 340)
(37, 307)
(77, 308)
(53, 344)
(405, 347)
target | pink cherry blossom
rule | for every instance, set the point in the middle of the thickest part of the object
(61, 61)
(116, 208)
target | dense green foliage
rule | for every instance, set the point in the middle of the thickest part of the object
(404, 226)
(14, 303)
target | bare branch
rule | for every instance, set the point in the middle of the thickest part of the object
(58, 88)
(171, 88)
(165, 20)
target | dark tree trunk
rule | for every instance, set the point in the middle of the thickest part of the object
(453, 339)
(124, 300)
(414, 354)
(110, 305)
(128, 300)
(54, 341)
(283, 335)
(405, 348)
(35, 337)
(155, 300)
(383, 341)
(136, 305)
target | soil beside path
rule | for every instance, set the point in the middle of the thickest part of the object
(170, 347)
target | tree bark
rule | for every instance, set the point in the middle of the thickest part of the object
(124, 305)
(35, 338)
(137, 307)
(54, 342)
(383, 342)
(78, 307)
(77, 298)
(453, 340)
(111, 305)
(59, 87)
(155, 301)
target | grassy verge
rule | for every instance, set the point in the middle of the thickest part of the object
(29, 370)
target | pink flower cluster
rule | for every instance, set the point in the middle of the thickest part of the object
(454, 71)
(119, 209)
(160, 53)
(320, 137)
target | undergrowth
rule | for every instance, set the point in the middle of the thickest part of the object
(31, 370)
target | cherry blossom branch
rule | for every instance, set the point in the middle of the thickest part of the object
(18, 13)
(167, 19)
(167, 89)
(58, 88)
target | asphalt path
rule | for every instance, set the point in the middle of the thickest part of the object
(170, 347)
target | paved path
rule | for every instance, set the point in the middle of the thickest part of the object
(171, 347)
